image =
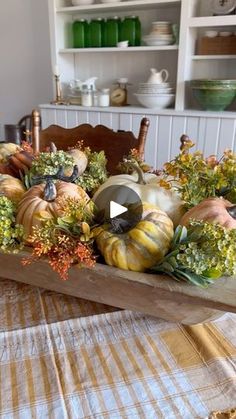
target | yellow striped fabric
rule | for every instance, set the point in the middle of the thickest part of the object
(62, 357)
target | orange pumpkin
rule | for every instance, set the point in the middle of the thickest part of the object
(40, 198)
(217, 210)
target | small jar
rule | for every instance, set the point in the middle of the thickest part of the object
(95, 98)
(87, 97)
(104, 97)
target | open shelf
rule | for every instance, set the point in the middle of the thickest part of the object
(214, 57)
(115, 49)
(125, 5)
(212, 21)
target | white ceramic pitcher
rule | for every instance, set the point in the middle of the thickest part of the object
(158, 77)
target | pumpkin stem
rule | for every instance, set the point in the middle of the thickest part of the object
(50, 192)
(59, 175)
(53, 148)
(138, 170)
(232, 211)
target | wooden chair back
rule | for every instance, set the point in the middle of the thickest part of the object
(115, 144)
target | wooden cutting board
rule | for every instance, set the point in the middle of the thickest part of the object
(156, 295)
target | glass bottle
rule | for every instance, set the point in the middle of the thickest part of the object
(79, 29)
(86, 96)
(104, 97)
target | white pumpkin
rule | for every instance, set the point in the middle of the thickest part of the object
(147, 187)
(80, 159)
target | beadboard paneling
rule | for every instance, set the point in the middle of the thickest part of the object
(211, 133)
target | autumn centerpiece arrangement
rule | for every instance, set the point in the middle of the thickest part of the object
(187, 226)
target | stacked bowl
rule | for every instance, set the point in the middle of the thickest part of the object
(213, 94)
(155, 93)
(161, 34)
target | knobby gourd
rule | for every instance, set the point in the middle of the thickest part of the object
(142, 246)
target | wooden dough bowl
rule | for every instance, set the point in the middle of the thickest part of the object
(155, 295)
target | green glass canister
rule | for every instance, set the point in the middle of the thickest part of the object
(128, 30)
(97, 32)
(137, 31)
(112, 29)
(79, 29)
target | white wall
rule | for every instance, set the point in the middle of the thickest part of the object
(25, 67)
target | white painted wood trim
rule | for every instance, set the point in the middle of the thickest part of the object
(214, 57)
(212, 21)
(115, 49)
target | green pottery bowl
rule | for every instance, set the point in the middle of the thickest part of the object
(216, 99)
(213, 83)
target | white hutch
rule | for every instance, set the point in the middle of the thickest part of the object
(211, 131)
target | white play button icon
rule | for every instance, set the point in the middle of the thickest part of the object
(116, 209)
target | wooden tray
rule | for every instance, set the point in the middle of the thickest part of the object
(157, 295)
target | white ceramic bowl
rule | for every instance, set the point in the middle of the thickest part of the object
(155, 101)
(156, 91)
(211, 34)
(81, 2)
(155, 41)
(153, 35)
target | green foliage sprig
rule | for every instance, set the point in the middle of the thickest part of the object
(95, 173)
(11, 234)
(200, 254)
(48, 163)
(197, 177)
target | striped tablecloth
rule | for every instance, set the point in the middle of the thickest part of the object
(63, 357)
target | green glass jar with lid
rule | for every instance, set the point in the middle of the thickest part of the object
(128, 30)
(112, 31)
(131, 30)
(97, 31)
(80, 33)
(137, 31)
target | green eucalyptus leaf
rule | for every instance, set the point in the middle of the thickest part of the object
(212, 273)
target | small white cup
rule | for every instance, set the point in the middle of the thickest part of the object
(122, 44)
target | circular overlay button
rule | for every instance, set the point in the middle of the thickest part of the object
(122, 207)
